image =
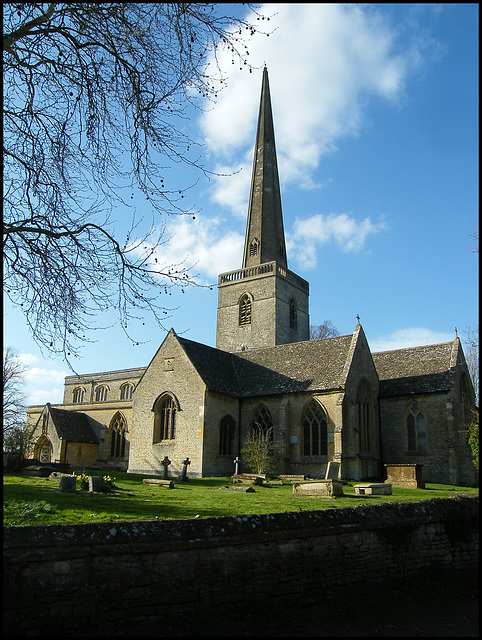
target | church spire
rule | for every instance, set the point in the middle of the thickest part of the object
(265, 239)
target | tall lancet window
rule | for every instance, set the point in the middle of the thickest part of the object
(245, 310)
(293, 314)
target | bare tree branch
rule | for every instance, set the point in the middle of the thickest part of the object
(95, 97)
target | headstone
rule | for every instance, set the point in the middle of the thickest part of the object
(237, 462)
(67, 484)
(96, 483)
(183, 477)
(165, 463)
(405, 475)
(332, 470)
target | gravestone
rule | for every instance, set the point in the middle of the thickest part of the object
(321, 488)
(183, 477)
(67, 484)
(96, 483)
(165, 463)
(405, 475)
(332, 471)
(159, 483)
(241, 489)
(237, 462)
(377, 489)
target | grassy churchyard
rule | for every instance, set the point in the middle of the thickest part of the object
(30, 500)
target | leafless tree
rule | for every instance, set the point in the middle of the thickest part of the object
(14, 400)
(325, 330)
(95, 97)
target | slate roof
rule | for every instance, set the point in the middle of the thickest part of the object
(73, 426)
(424, 369)
(314, 365)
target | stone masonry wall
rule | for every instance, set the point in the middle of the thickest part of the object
(90, 579)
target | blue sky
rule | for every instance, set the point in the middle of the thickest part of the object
(376, 121)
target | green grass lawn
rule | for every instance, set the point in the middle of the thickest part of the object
(37, 501)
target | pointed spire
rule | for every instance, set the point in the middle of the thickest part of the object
(265, 238)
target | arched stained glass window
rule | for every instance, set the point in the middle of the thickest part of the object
(165, 419)
(226, 436)
(416, 440)
(314, 430)
(117, 433)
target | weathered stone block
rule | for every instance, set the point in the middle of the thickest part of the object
(325, 488)
(67, 484)
(96, 483)
(382, 489)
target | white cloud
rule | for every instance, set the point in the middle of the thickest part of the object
(410, 337)
(349, 233)
(42, 396)
(199, 244)
(325, 62)
(38, 375)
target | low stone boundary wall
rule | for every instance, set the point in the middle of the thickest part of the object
(88, 579)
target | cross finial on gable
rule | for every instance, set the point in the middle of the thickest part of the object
(357, 320)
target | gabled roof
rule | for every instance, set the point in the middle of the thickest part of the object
(424, 369)
(314, 365)
(72, 426)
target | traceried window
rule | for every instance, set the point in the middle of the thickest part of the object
(416, 440)
(364, 406)
(293, 314)
(226, 436)
(117, 434)
(126, 391)
(165, 419)
(244, 310)
(254, 247)
(101, 394)
(314, 427)
(262, 420)
(78, 395)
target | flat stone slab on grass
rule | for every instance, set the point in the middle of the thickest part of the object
(241, 489)
(249, 478)
(40, 471)
(293, 477)
(383, 489)
(323, 488)
(158, 482)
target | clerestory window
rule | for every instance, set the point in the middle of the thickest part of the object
(78, 395)
(126, 391)
(101, 394)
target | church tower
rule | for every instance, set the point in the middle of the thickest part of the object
(263, 304)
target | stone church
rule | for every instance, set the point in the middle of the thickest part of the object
(325, 400)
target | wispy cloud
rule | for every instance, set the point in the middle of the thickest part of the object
(326, 62)
(310, 233)
(409, 337)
